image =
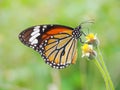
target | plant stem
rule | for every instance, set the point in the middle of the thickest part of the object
(105, 69)
(103, 73)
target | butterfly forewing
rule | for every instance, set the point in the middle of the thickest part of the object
(55, 43)
(36, 34)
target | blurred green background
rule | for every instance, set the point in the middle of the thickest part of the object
(22, 68)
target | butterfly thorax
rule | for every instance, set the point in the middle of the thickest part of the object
(77, 32)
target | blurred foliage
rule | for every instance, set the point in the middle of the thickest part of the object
(21, 68)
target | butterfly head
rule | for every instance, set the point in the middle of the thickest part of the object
(77, 32)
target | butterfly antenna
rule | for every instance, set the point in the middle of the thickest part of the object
(87, 30)
(85, 22)
(89, 21)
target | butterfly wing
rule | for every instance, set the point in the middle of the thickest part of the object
(55, 43)
(59, 50)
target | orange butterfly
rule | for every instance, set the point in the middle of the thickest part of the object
(56, 43)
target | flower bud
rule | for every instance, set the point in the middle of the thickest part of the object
(92, 39)
(87, 51)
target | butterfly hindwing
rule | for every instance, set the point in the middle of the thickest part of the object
(59, 50)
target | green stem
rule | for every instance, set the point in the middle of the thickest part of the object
(103, 73)
(105, 69)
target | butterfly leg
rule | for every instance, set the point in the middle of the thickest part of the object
(81, 41)
(83, 33)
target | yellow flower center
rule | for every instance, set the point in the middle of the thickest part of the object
(86, 48)
(90, 36)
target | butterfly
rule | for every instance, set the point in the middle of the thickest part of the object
(57, 44)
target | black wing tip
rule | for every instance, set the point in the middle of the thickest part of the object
(21, 38)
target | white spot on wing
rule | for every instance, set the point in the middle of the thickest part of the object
(40, 46)
(53, 66)
(35, 41)
(51, 36)
(35, 32)
(34, 37)
(61, 67)
(36, 28)
(43, 29)
(57, 67)
(45, 26)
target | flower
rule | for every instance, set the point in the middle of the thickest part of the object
(92, 39)
(87, 51)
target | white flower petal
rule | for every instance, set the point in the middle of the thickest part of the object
(87, 54)
(90, 46)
